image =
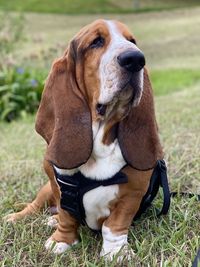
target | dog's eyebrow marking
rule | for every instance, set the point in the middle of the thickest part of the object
(116, 35)
(114, 32)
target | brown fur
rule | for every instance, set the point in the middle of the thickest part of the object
(125, 207)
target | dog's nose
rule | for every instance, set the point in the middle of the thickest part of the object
(131, 60)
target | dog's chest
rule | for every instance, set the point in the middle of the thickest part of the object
(105, 160)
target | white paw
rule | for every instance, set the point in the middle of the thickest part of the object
(52, 222)
(120, 253)
(115, 246)
(58, 247)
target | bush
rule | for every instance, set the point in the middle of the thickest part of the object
(20, 88)
(20, 92)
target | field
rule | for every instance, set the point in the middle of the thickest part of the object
(170, 41)
(94, 6)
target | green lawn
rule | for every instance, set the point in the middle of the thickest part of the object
(171, 240)
(171, 45)
(173, 80)
(93, 6)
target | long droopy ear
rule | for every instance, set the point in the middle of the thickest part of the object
(63, 117)
(138, 132)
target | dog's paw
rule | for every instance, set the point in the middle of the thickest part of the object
(115, 246)
(52, 222)
(120, 254)
(58, 247)
(11, 218)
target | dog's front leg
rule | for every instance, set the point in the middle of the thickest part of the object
(65, 235)
(115, 227)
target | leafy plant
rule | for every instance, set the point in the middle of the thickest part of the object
(20, 92)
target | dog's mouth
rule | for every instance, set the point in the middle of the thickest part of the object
(101, 109)
(133, 85)
(130, 91)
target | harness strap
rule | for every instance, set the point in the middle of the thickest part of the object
(165, 187)
(158, 178)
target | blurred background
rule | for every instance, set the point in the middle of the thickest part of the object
(34, 32)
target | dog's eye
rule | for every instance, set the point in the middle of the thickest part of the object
(132, 41)
(97, 42)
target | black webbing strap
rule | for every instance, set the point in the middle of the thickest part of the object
(165, 186)
(158, 179)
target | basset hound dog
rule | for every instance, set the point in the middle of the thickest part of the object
(97, 117)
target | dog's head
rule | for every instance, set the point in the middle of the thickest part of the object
(100, 77)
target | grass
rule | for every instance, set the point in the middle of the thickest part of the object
(170, 80)
(170, 42)
(91, 6)
(171, 240)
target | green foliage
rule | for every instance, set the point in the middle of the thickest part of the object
(20, 89)
(20, 92)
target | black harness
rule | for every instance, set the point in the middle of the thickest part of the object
(74, 187)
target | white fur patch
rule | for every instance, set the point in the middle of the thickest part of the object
(58, 247)
(106, 160)
(114, 244)
(109, 71)
(52, 222)
(96, 204)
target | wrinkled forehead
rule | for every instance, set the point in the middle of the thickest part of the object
(109, 29)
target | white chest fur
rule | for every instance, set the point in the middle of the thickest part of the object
(105, 160)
